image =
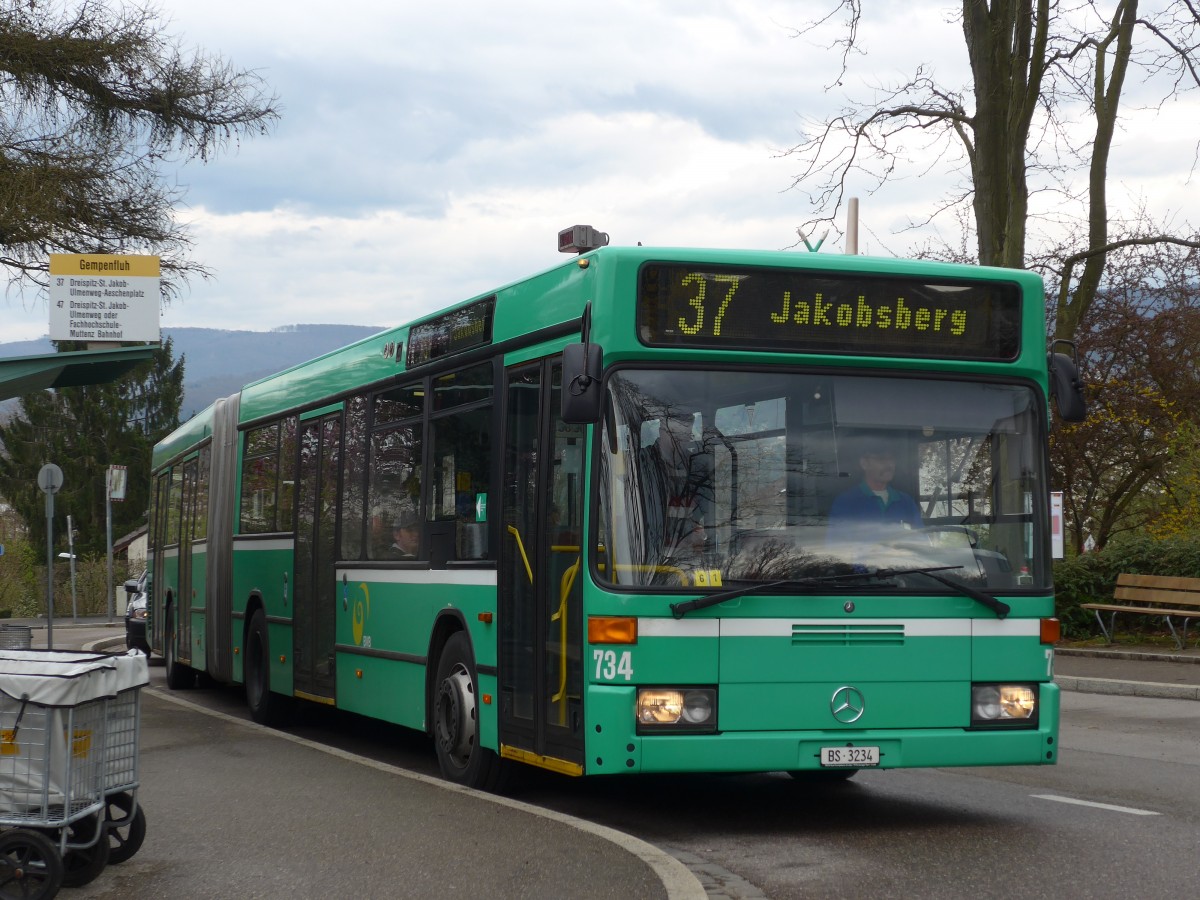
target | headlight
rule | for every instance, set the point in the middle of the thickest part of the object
(1004, 704)
(676, 709)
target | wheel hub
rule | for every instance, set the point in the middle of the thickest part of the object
(456, 716)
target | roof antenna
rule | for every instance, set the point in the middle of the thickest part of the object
(808, 244)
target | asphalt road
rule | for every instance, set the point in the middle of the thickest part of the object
(1117, 817)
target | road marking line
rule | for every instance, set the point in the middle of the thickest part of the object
(1108, 806)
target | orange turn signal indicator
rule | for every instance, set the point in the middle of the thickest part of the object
(1051, 631)
(612, 630)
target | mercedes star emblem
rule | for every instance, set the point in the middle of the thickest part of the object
(847, 705)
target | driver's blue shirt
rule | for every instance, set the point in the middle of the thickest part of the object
(861, 506)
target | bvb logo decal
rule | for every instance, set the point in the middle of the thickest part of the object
(362, 609)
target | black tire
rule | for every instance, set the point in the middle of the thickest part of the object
(83, 865)
(179, 676)
(30, 867)
(124, 837)
(266, 708)
(455, 722)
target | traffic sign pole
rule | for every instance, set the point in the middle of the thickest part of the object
(50, 480)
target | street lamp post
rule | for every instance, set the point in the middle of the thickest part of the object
(74, 604)
(71, 549)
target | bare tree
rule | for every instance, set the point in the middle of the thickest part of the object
(95, 100)
(1120, 469)
(1034, 64)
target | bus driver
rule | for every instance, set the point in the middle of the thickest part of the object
(872, 509)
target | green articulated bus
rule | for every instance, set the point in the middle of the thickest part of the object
(651, 510)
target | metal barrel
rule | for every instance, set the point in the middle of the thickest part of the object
(16, 637)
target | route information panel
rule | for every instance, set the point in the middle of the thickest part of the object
(98, 297)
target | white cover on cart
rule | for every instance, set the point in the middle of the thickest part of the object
(64, 678)
(40, 691)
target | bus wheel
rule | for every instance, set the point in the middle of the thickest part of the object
(456, 722)
(179, 676)
(266, 708)
(30, 866)
(125, 833)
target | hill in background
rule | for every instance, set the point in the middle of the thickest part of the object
(218, 362)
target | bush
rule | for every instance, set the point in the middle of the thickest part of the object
(1092, 577)
(19, 589)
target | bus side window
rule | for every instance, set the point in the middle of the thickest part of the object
(461, 454)
(461, 462)
(394, 486)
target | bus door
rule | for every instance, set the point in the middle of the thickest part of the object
(540, 575)
(185, 599)
(313, 593)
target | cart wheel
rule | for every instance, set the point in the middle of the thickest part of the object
(124, 839)
(83, 864)
(30, 867)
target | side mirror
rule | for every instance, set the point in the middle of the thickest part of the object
(582, 395)
(1065, 387)
(131, 586)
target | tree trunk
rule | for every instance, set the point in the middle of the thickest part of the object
(1007, 45)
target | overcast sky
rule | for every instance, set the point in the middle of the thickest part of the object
(428, 153)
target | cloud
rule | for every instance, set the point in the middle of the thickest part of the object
(642, 178)
(428, 153)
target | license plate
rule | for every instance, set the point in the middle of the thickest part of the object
(850, 756)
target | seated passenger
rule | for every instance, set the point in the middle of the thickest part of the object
(406, 535)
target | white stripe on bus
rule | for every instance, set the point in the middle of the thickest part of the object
(244, 545)
(484, 577)
(786, 627)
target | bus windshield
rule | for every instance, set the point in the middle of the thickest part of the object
(719, 478)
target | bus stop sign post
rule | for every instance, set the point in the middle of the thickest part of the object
(50, 479)
(115, 484)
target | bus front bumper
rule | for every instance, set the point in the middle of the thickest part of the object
(770, 751)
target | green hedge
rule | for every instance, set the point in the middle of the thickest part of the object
(1091, 578)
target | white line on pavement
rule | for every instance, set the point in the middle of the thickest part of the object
(1108, 806)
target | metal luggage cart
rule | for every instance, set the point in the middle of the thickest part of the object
(68, 748)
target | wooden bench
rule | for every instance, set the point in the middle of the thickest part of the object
(1152, 595)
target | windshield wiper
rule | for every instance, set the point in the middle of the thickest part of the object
(999, 607)
(679, 610)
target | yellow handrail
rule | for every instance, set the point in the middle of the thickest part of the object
(565, 585)
(564, 592)
(512, 529)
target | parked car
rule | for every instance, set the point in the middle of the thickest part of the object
(136, 611)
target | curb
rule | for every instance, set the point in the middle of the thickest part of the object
(1135, 655)
(106, 645)
(1128, 688)
(1122, 687)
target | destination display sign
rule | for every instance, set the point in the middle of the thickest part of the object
(104, 298)
(724, 307)
(454, 332)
